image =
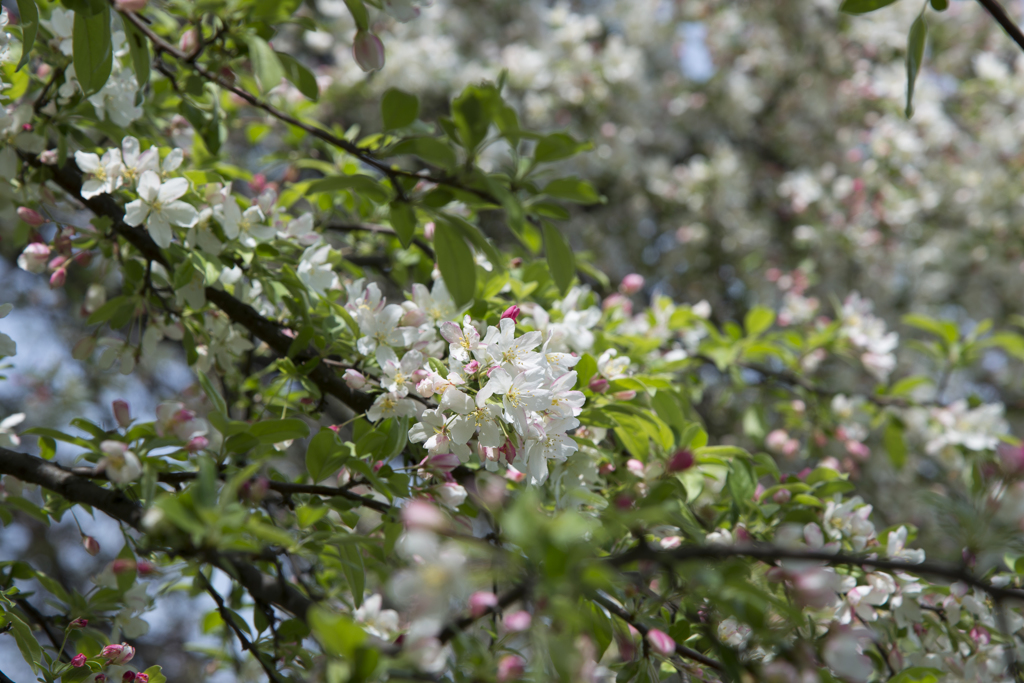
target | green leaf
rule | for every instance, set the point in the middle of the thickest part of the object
(359, 14)
(863, 6)
(28, 17)
(758, 320)
(918, 674)
(472, 112)
(138, 48)
(558, 146)
(265, 65)
(398, 108)
(455, 261)
(943, 329)
(211, 392)
(915, 55)
(894, 444)
(93, 56)
(741, 483)
(324, 455)
(560, 258)
(432, 150)
(299, 76)
(573, 190)
(403, 220)
(276, 431)
(355, 572)
(338, 634)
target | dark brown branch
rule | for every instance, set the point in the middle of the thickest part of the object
(681, 650)
(112, 502)
(282, 487)
(1000, 15)
(771, 553)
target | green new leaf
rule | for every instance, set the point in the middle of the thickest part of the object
(29, 18)
(573, 190)
(324, 456)
(398, 108)
(276, 431)
(93, 56)
(558, 146)
(138, 48)
(915, 56)
(863, 6)
(560, 258)
(758, 320)
(894, 444)
(472, 112)
(357, 184)
(338, 634)
(299, 76)
(403, 220)
(432, 150)
(455, 260)
(265, 63)
(918, 674)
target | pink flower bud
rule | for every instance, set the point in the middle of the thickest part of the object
(605, 469)
(428, 230)
(141, 678)
(189, 41)
(118, 654)
(145, 568)
(128, 676)
(518, 621)
(368, 51)
(617, 300)
(84, 258)
(100, 678)
(254, 490)
(514, 475)
(682, 460)
(782, 496)
(857, 449)
(627, 395)
(512, 312)
(776, 440)
(419, 514)
(471, 367)
(631, 284)
(121, 566)
(980, 635)
(58, 278)
(635, 466)
(30, 216)
(130, 5)
(354, 379)
(510, 668)
(481, 602)
(196, 444)
(446, 462)
(91, 545)
(598, 385)
(48, 157)
(660, 641)
(78, 661)
(1011, 457)
(78, 623)
(34, 257)
(122, 413)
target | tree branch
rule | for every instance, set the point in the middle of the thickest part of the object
(771, 553)
(380, 230)
(112, 502)
(999, 14)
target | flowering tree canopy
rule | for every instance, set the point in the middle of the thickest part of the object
(405, 411)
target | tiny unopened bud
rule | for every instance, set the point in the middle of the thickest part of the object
(782, 496)
(518, 621)
(631, 284)
(78, 661)
(660, 641)
(428, 230)
(128, 677)
(481, 602)
(196, 444)
(80, 622)
(368, 51)
(512, 312)
(141, 678)
(471, 367)
(598, 385)
(145, 568)
(118, 654)
(627, 395)
(354, 379)
(48, 157)
(121, 566)
(91, 545)
(30, 216)
(682, 460)
(605, 469)
(515, 263)
(419, 514)
(189, 41)
(122, 413)
(446, 462)
(34, 257)
(59, 277)
(84, 258)
(511, 668)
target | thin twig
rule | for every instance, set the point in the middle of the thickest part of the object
(1000, 15)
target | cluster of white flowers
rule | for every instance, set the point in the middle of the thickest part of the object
(499, 395)
(868, 334)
